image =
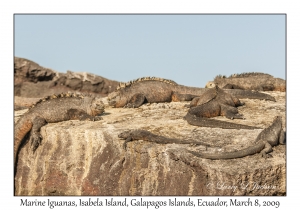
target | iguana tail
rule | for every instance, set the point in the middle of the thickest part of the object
(230, 155)
(249, 94)
(22, 127)
(212, 123)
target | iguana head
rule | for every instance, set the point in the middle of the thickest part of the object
(210, 84)
(124, 134)
(96, 107)
(115, 99)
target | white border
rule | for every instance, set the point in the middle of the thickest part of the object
(8, 8)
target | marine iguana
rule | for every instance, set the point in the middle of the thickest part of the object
(268, 138)
(51, 109)
(215, 102)
(154, 90)
(139, 134)
(249, 81)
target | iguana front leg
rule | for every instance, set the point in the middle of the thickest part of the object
(126, 141)
(136, 101)
(35, 136)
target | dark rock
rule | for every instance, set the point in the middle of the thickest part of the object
(34, 81)
(26, 70)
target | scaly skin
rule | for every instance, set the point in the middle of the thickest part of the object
(249, 81)
(268, 138)
(138, 134)
(57, 109)
(212, 123)
(134, 94)
(215, 102)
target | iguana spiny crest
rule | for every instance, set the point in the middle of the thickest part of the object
(127, 84)
(246, 74)
(61, 95)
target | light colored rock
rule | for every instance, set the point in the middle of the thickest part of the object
(87, 158)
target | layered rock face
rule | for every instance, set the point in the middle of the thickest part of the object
(34, 81)
(88, 158)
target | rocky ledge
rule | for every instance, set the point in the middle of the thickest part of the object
(87, 158)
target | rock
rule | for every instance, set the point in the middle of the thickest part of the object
(87, 158)
(34, 81)
(29, 71)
